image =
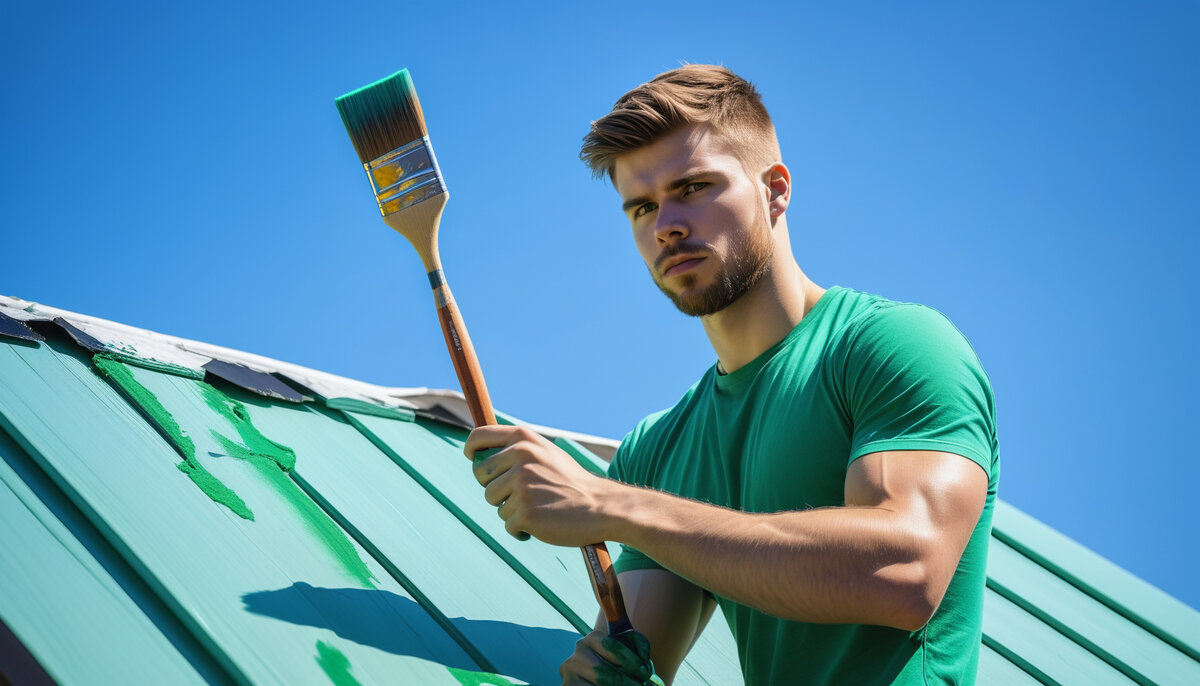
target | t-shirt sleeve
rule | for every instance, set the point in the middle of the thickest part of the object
(912, 382)
(619, 469)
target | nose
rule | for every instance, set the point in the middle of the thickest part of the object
(671, 226)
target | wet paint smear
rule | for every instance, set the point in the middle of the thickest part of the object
(336, 665)
(273, 461)
(209, 484)
(255, 443)
(270, 459)
(469, 678)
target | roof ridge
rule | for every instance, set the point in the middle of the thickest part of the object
(159, 350)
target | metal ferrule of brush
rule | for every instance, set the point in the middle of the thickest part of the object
(405, 176)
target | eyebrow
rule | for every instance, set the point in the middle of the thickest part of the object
(674, 185)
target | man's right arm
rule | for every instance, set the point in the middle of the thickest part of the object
(667, 609)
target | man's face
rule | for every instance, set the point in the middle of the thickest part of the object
(699, 219)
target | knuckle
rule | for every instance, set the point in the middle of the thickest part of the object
(491, 496)
(480, 472)
(516, 523)
(593, 642)
(521, 450)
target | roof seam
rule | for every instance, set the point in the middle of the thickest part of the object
(473, 526)
(394, 571)
(1095, 593)
(1068, 632)
(113, 539)
(1013, 657)
(108, 558)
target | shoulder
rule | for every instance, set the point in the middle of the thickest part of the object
(911, 381)
(895, 351)
(886, 329)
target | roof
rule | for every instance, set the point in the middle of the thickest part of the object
(227, 518)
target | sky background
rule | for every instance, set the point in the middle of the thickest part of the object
(1031, 169)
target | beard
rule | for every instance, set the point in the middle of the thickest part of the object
(746, 267)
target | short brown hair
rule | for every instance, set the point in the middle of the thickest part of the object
(691, 94)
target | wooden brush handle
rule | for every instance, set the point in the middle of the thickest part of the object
(470, 377)
(466, 364)
(608, 591)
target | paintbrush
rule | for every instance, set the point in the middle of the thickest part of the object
(387, 128)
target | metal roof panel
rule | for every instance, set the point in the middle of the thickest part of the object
(362, 549)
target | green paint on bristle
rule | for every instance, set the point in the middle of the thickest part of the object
(382, 116)
(335, 665)
(149, 404)
(273, 461)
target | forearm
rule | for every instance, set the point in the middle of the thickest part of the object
(857, 565)
(886, 558)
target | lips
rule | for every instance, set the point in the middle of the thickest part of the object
(680, 266)
(678, 263)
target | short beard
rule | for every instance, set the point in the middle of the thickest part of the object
(744, 271)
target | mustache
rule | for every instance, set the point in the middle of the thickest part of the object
(681, 248)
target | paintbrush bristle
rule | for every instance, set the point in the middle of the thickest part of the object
(382, 116)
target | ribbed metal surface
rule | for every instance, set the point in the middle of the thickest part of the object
(99, 521)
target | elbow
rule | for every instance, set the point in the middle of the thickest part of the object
(918, 585)
(914, 610)
(916, 598)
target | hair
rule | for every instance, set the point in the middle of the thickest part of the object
(691, 94)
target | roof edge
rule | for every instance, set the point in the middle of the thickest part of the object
(164, 351)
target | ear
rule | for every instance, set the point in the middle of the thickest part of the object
(778, 182)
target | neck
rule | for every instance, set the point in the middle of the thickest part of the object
(764, 315)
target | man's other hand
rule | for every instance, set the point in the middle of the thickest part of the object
(603, 660)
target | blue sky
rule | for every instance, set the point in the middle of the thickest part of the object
(1031, 171)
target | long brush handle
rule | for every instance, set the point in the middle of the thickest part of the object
(470, 377)
(462, 353)
(608, 591)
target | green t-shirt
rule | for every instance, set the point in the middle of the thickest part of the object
(859, 374)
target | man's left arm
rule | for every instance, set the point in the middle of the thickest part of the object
(885, 558)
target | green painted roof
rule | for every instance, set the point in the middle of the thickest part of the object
(164, 525)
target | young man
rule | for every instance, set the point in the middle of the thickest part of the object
(829, 481)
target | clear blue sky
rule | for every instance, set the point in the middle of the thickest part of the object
(1031, 171)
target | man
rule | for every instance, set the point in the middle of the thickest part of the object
(829, 481)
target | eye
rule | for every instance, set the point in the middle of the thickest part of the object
(694, 186)
(643, 209)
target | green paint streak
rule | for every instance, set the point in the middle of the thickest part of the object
(273, 461)
(209, 484)
(214, 489)
(116, 371)
(156, 365)
(336, 665)
(253, 439)
(468, 678)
